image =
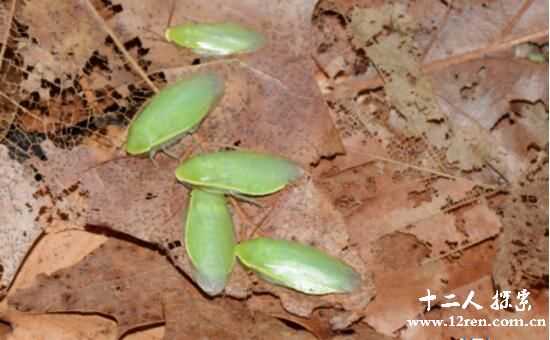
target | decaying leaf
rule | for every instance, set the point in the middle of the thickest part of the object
(523, 132)
(63, 327)
(21, 205)
(86, 85)
(305, 214)
(393, 305)
(522, 258)
(232, 321)
(104, 282)
(139, 287)
(396, 58)
(433, 107)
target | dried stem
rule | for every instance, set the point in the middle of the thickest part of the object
(121, 47)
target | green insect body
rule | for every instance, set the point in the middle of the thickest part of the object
(210, 240)
(215, 39)
(173, 112)
(300, 267)
(239, 172)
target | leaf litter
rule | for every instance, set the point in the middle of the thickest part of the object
(424, 169)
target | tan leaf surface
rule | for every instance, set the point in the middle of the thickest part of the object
(84, 84)
(305, 214)
(441, 46)
(53, 252)
(62, 327)
(438, 107)
(137, 287)
(104, 282)
(522, 258)
(232, 321)
(21, 205)
(393, 305)
(147, 203)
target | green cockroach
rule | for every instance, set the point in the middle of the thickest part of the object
(215, 38)
(297, 266)
(173, 112)
(210, 240)
(238, 172)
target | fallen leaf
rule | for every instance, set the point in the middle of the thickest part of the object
(105, 282)
(21, 205)
(522, 258)
(393, 304)
(305, 214)
(232, 321)
(62, 327)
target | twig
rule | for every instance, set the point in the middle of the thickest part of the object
(359, 83)
(479, 53)
(121, 47)
(242, 216)
(512, 23)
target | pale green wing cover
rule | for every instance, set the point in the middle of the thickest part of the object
(210, 240)
(244, 172)
(175, 110)
(300, 267)
(215, 38)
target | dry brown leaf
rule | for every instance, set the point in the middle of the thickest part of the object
(316, 324)
(471, 264)
(137, 287)
(396, 59)
(73, 90)
(401, 280)
(224, 320)
(403, 198)
(470, 27)
(62, 327)
(522, 258)
(394, 304)
(523, 132)
(305, 214)
(118, 279)
(21, 205)
(147, 203)
(55, 251)
(52, 252)
(473, 91)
